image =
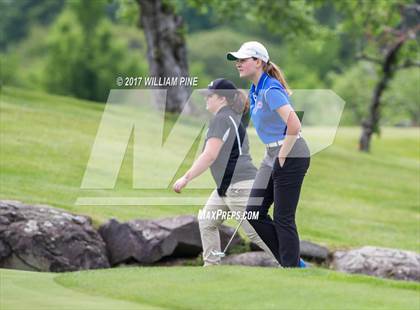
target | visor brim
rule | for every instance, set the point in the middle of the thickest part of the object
(205, 92)
(236, 55)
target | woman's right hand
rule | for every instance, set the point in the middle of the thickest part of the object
(180, 184)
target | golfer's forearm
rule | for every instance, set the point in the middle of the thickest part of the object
(293, 128)
(290, 139)
(288, 143)
(202, 163)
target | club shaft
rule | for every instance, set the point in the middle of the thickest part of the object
(233, 235)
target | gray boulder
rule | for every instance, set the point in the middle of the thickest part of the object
(256, 258)
(308, 250)
(148, 241)
(380, 262)
(42, 238)
(314, 252)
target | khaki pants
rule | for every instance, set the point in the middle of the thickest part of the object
(235, 200)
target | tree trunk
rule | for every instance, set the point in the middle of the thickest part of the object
(371, 123)
(166, 49)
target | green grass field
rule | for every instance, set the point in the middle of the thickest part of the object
(349, 199)
(225, 287)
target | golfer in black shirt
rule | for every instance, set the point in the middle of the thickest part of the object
(226, 153)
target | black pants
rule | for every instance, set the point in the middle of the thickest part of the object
(281, 185)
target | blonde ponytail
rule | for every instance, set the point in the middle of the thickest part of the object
(273, 70)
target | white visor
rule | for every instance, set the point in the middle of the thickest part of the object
(250, 49)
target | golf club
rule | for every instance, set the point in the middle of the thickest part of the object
(302, 263)
(223, 254)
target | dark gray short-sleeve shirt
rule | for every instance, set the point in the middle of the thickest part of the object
(234, 163)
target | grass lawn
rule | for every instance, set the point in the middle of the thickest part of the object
(349, 199)
(225, 287)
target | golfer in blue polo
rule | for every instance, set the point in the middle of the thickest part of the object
(226, 154)
(287, 157)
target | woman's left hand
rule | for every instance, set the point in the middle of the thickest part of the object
(281, 160)
(180, 184)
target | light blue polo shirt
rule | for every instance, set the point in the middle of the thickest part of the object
(268, 96)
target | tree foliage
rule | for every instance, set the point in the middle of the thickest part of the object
(85, 57)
